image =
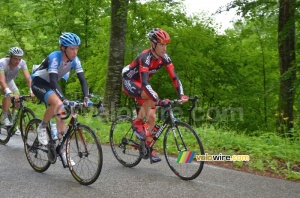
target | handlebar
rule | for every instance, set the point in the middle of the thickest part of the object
(70, 106)
(26, 97)
(179, 101)
(193, 100)
(21, 98)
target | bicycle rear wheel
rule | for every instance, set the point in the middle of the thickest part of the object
(26, 115)
(124, 144)
(4, 130)
(181, 144)
(84, 148)
(36, 153)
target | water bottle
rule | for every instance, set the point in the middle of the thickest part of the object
(54, 133)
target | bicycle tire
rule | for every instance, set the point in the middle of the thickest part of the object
(183, 165)
(84, 148)
(36, 153)
(26, 115)
(4, 130)
(123, 142)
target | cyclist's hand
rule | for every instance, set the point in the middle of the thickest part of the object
(163, 103)
(184, 99)
(16, 97)
(87, 102)
(66, 102)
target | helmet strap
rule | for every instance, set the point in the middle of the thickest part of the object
(153, 49)
(69, 60)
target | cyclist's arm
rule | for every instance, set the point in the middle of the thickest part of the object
(175, 80)
(28, 79)
(3, 81)
(83, 83)
(144, 73)
(55, 86)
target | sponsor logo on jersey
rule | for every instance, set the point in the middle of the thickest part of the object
(131, 73)
(128, 86)
(39, 89)
(151, 91)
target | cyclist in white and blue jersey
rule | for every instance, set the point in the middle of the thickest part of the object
(10, 66)
(45, 79)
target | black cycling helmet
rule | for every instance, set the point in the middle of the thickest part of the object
(158, 35)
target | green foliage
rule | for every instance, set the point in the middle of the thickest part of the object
(234, 74)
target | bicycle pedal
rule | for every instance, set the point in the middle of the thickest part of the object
(144, 150)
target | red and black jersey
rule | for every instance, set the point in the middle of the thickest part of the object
(145, 65)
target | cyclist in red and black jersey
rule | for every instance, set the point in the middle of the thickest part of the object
(136, 77)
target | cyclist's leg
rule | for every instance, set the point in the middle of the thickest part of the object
(16, 94)
(43, 91)
(6, 101)
(148, 110)
(133, 89)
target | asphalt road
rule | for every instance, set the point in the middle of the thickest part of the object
(18, 179)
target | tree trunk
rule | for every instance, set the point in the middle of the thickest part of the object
(116, 56)
(286, 47)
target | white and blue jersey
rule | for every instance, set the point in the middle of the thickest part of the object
(55, 64)
(45, 78)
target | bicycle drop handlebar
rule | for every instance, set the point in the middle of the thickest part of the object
(69, 106)
(179, 101)
(19, 100)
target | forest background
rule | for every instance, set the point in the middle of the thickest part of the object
(237, 75)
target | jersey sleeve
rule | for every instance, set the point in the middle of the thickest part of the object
(144, 78)
(24, 65)
(53, 63)
(2, 65)
(76, 64)
(171, 71)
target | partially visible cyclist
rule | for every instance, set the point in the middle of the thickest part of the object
(10, 66)
(46, 87)
(136, 77)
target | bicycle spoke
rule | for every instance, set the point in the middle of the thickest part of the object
(123, 142)
(181, 144)
(36, 153)
(84, 149)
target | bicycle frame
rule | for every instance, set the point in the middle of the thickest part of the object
(72, 125)
(171, 120)
(22, 99)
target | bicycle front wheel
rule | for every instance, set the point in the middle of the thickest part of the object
(85, 151)
(181, 145)
(124, 144)
(36, 153)
(26, 115)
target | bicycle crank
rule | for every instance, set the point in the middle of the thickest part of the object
(52, 154)
(144, 150)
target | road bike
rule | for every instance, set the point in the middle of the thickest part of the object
(22, 118)
(80, 143)
(181, 143)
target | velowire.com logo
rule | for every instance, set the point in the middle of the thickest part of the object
(188, 157)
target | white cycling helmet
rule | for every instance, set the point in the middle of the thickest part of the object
(16, 51)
